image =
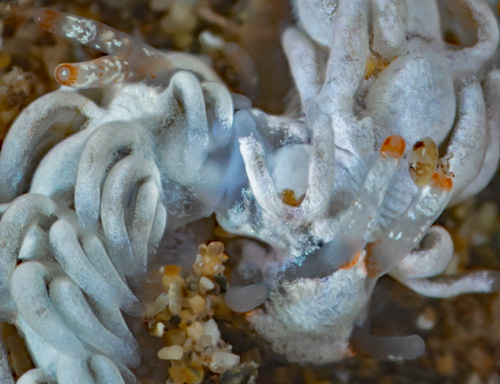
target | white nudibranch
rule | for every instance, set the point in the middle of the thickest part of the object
(329, 199)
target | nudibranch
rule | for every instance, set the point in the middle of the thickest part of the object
(393, 126)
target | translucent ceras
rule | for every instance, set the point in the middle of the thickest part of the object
(347, 188)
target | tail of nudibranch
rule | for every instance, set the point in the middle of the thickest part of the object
(389, 81)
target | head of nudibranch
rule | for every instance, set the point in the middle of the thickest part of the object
(377, 168)
(313, 305)
(313, 309)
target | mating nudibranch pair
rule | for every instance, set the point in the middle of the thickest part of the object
(91, 180)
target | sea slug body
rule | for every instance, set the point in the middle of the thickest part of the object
(393, 125)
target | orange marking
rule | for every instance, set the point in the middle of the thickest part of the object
(372, 267)
(46, 18)
(441, 180)
(375, 65)
(451, 38)
(393, 146)
(351, 263)
(72, 74)
(289, 198)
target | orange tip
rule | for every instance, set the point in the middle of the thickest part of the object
(393, 146)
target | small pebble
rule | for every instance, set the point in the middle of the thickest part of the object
(175, 299)
(158, 305)
(206, 284)
(174, 352)
(197, 304)
(158, 330)
(225, 360)
(211, 329)
(174, 337)
(195, 330)
(427, 319)
(188, 345)
(174, 320)
(244, 373)
(185, 324)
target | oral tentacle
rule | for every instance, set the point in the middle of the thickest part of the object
(451, 286)
(430, 258)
